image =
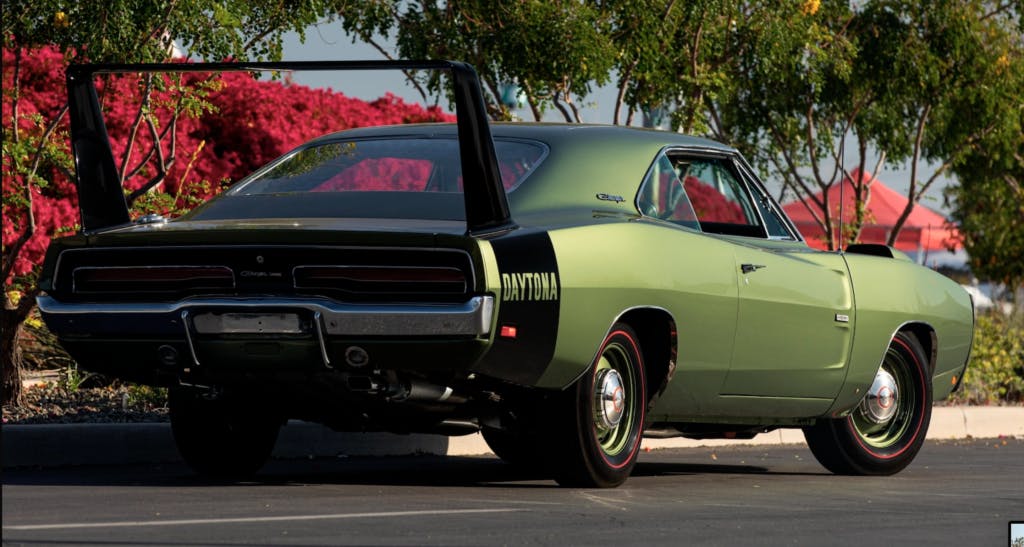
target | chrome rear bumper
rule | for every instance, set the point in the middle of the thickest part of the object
(470, 318)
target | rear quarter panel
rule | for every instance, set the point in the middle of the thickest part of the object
(610, 268)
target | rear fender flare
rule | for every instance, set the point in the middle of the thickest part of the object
(656, 329)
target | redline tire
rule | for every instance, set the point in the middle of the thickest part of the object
(594, 454)
(856, 445)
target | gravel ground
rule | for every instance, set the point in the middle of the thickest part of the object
(52, 402)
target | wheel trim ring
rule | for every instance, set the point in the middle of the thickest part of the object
(906, 411)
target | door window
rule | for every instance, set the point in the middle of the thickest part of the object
(701, 192)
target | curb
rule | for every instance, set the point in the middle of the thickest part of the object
(53, 445)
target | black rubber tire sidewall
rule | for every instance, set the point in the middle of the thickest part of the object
(221, 438)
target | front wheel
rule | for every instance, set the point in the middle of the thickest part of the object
(884, 433)
(220, 438)
(601, 437)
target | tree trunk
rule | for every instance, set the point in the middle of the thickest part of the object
(10, 356)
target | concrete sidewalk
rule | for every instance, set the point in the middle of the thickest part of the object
(118, 444)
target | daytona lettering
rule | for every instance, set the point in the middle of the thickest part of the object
(529, 287)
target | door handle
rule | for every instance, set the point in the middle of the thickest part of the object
(747, 268)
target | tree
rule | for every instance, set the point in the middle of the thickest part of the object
(675, 58)
(554, 51)
(37, 196)
(988, 207)
(946, 75)
(808, 90)
(915, 82)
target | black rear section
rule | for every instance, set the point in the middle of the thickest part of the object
(246, 317)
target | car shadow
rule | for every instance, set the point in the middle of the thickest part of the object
(660, 469)
(424, 470)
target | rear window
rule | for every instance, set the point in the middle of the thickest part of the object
(385, 165)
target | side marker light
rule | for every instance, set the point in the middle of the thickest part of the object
(508, 331)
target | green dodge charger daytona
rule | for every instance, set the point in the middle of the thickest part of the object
(563, 289)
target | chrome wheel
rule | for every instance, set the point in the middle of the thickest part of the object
(612, 393)
(888, 411)
(883, 416)
(886, 430)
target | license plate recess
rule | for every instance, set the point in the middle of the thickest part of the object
(250, 323)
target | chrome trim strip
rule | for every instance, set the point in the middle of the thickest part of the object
(319, 326)
(744, 176)
(472, 317)
(756, 181)
(188, 336)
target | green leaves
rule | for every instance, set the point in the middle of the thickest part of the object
(554, 50)
(996, 372)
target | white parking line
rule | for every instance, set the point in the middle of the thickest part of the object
(337, 516)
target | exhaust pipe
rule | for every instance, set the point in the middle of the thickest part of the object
(414, 391)
(402, 391)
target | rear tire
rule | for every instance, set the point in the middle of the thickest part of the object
(885, 432)
(599, 441)
(516, 449)
(221, 439)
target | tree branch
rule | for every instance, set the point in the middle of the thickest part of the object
(408, 74)
(561, 108)
(134, 132)
(163, 164)
(811, 151)
(532, 101)
(825, 219)
(567, 97)
(621, 95)
(719, 128)
(922, 122)
(697, 92)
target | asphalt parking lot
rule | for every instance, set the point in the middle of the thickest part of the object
(956, 492)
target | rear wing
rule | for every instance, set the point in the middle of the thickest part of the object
(101, 199)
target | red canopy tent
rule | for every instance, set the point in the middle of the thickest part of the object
(924, 229)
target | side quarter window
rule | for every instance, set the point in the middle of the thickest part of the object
(663, 196)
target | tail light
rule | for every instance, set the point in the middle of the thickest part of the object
(382, 279)
(151, 278)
